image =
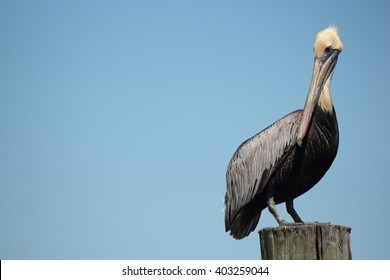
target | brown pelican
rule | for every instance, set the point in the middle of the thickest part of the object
(290, 156)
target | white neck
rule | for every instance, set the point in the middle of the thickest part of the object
(325, 100)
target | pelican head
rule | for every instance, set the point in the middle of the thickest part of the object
(327, 48)
(326, 41)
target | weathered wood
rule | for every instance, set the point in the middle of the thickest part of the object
(306, 242)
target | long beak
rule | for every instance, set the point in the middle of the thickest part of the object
(322, 70)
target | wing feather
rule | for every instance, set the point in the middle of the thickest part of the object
(255, 161)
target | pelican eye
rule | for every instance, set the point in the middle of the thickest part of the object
(328, 49)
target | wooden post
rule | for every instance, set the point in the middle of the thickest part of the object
(313, 241)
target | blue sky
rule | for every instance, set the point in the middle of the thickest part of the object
(118, 119)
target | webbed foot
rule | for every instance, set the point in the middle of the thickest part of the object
(283, 223)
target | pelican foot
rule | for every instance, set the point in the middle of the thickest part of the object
(317, 223)
(283, 223)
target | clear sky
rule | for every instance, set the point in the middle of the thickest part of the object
(118, 120)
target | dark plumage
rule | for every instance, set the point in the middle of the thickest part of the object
(289, 157)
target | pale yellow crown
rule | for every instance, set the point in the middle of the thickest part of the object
(327, 38)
